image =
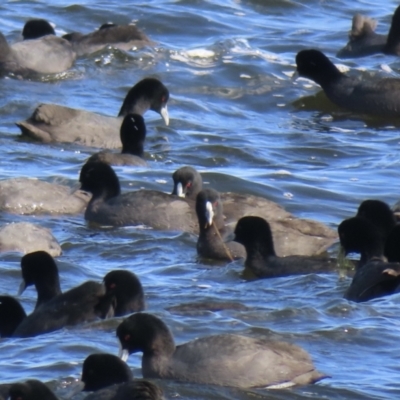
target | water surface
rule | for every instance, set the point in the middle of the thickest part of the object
(235, 113)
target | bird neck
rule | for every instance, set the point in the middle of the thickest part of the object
(106, 192)
(157, 357)
(47, 290)
(331, 75)
(374, 251)
(134, 105)
(135, 149)
(261, 248)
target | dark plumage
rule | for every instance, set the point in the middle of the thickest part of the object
(121, 293)
(46, 55)
(212, 243)
(127, 290)
(226, 360)
(364, 41)
(40, 269)
(123, 37)
(360, 235)
(292, 235)
(148, 207)
(392, 245)
(380, 214)
(4, 389)
(53, 123)
(132, 134)
(378, 97)
(374, 277)
(383, 217)
(187, 182)
(254, 233)
(31, 390)
(102, 370)
(11, 315)
(133, 390)
(111, 379)
(36, 28)
(83, 303)
(396, 211)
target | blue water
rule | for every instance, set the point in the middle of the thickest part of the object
(234, 111)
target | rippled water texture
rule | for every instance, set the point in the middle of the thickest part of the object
(234, 112)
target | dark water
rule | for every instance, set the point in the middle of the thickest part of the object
(234, 112)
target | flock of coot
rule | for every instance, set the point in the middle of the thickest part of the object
(272, 242)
